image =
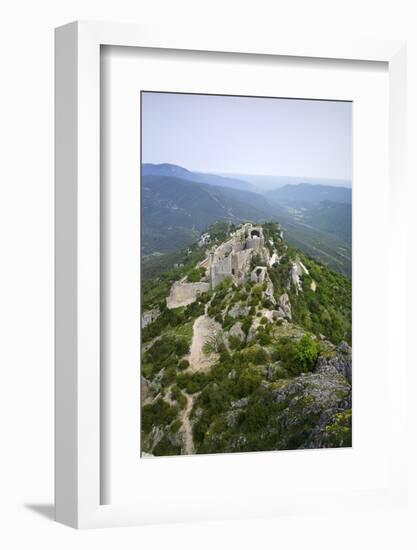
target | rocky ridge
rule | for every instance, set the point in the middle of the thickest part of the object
(279, 371)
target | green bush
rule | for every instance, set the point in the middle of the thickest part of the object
(183, 364)
(263, 338)
(165, 353)
(182, 347)
(339, 432)
(247, 323)
(279, 373)
(256, 355)
(257, 291)
(178, 396)
(205, 297)
(305, 353)
(195, 309)
(166, 448)
(194, 275)
(228, 322)
(159, 413)
(297, 356)
(247, 382)
(169, 318)
(191, 382)
(169, 376)
(234, 342)
(256, 417)
(176, 426)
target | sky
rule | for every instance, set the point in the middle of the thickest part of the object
(247, 135)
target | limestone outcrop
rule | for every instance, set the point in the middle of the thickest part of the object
(285, 306)
(150, 316)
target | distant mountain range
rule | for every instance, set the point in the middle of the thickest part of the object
(175, 211)
(267, 183)
(306, 195)
(174, 170)
(177, 205)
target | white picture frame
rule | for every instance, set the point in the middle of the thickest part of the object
(78, 405)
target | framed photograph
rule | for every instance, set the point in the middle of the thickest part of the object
(246, 325)
(225, 334)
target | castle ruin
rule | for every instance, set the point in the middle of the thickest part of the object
(230, 259)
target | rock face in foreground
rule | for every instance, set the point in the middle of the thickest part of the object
(313, 403)
(313, 410)
(341, 362)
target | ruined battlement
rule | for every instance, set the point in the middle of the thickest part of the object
(184, 293)
(230, 259)
(259, 274)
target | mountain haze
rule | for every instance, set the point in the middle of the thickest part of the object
(173, 170)
(307, 194)
(176, 208)
(265, 183)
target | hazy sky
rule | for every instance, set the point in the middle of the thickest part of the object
(279, 137)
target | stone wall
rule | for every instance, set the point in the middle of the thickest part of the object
(218, 277)
(183, 294)
(220, 269)
(241, 261)
(238, 245)
(255, 242)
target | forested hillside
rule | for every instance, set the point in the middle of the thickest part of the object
(177, 205)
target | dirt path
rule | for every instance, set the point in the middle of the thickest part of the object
(187, 430)
(204, 330)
